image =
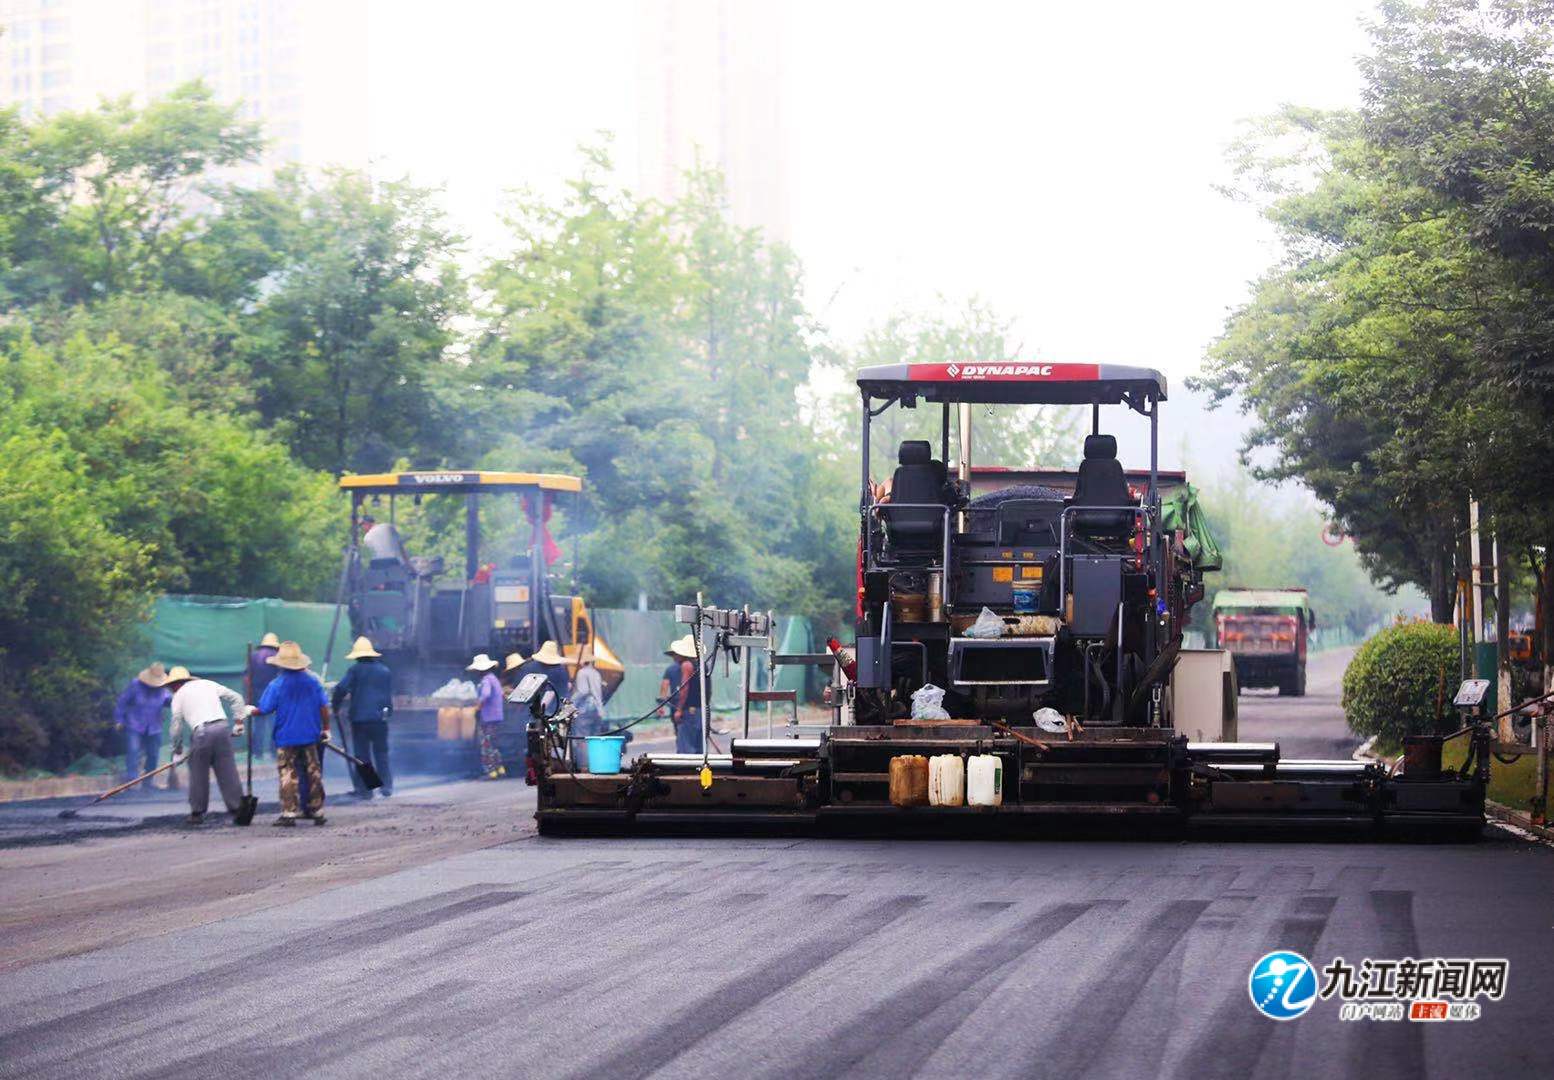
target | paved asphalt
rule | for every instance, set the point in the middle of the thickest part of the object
(523, 956)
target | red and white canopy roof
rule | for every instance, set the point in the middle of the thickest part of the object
(1016, 382)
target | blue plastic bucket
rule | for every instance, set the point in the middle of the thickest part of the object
(604, 753)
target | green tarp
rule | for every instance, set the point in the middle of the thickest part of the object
(210, 635)
(1180, 510)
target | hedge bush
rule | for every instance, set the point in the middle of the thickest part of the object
(1391, 686)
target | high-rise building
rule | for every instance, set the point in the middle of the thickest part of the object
(710, 91)
(297, 66)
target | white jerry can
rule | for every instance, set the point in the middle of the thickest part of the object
(985, 780)
(946, 780)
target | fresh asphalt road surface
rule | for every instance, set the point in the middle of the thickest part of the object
(516, 955)
(1304, 727)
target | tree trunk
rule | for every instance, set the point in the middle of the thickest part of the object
(1443, 585)
(1502, 622)
(1545, 609)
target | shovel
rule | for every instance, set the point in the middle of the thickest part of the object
(368, 774)
(248, 805)
(125, 786)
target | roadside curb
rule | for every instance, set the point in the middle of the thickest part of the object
(1518, 818)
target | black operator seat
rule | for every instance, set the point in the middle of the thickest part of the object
(918, 479)
(1101, 482)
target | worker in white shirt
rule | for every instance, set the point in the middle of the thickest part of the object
(204, 707)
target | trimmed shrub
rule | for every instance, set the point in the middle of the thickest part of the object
(1392, 686)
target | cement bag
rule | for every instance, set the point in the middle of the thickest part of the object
(928, 703)
(988, 625)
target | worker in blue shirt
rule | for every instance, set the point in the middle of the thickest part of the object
(370, 686)
(138, 713)
(296, 699)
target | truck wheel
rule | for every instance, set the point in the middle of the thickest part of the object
(1299, 687)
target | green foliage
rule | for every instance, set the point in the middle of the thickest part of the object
(659, 351)
(1016, 436)
(110, 491)
(70, 592)
(344, 347)
(1400, 682)
(1268, 542)
(1397, 359)
(102, 202)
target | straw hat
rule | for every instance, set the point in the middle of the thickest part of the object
(153, 676)
(291, 657)
(362, 648)
(179, 674)
(270, 641)
(549, 654)
(514, 661)
(482, 662)
(684, 648)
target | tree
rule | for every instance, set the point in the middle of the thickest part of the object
(346, 345)
(1369, 355)
(659, 350)
(115, 199)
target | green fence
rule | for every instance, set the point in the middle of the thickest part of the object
(210, 636)
(639, 639)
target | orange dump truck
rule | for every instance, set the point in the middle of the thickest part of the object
(1265, 632)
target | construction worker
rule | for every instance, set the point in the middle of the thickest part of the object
(512, 671)
(588, 695)
(488, 716)
(669, 683)
(553, 664)
(296, 699)
(205, 708)
(687, 704)
(260, 673)
(138, 713)
(370, 686)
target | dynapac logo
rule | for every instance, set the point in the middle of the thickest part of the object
(988, 371)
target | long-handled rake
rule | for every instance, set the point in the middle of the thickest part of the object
(125, 786)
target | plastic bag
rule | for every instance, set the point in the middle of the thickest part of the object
(455, 690)
(988, 625)
(1051, 721)
(928, 703)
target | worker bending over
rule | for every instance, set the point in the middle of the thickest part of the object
(204, 706)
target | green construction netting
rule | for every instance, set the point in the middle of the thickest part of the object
(639, 638)
(210, 636)
(1180, 510)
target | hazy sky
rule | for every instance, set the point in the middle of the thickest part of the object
(1055, 159)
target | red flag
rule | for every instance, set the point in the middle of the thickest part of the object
(541, 537)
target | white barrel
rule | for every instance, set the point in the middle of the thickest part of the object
(946, 780)
(985, 780)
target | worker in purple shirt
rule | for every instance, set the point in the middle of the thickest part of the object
(488, 716)
(138, 713)
(260, 674)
